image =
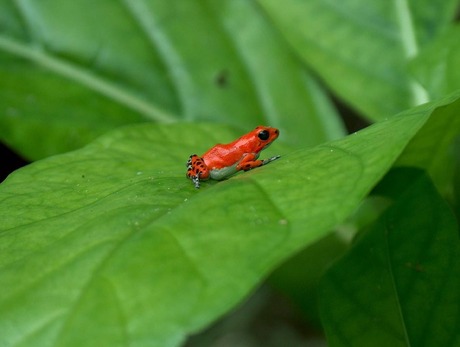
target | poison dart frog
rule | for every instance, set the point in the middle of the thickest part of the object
(222, 161)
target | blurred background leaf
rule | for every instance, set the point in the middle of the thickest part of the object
(71, 71)
(361, 49)
(437, 65)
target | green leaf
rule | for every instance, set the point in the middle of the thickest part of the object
(399, 285)
(68, 74)
(437, 66)
(112, 240)
(456, 184)
(433, 149)
(361, 48)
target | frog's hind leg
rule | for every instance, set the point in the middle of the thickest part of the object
(196, 170)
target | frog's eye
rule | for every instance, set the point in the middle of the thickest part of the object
(263, 135)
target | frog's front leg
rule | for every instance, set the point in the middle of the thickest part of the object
(197, 170)
(250, 161)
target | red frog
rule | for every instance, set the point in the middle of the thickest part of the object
(222, 161)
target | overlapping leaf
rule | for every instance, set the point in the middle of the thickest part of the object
(399, 285)
(434, 148)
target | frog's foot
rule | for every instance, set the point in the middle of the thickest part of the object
(196, 169)
(196, 180)
(269, 160)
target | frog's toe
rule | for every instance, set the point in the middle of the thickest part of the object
(269, 160)
(196, 181)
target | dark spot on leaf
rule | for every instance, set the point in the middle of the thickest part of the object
(222, 78)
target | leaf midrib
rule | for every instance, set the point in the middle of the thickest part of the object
(84, 77)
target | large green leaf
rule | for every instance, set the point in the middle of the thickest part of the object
(361, 48)
(112, 240)
(400, 284)
(71, 70)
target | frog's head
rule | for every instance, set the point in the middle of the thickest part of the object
(265, 135)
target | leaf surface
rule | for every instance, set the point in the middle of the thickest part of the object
(115, 232)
